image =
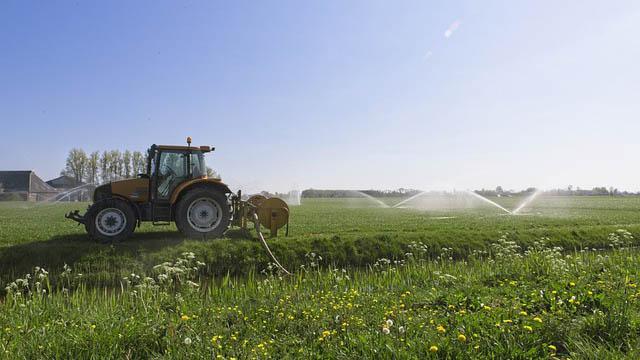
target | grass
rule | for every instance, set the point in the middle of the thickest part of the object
(391, 283)
(537, 304)
(345, 231)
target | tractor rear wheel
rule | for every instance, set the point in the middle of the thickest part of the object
(203, 213)
(110, 220)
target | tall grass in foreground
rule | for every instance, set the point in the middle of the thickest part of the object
(507, 302)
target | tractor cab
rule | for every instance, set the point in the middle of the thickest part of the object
(171, 169)
(168, 166)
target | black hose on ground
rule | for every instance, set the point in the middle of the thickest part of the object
(266, 246)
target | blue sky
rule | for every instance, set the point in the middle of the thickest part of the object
(332, 94)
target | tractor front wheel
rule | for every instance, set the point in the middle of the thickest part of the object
(203, 213)
(110, 220)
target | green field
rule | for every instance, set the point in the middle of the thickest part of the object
(454, 283)
(347, 232)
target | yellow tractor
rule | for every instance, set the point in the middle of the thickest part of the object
(176, 189)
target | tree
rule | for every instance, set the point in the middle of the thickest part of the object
(115, 164)
(93, 165)
(126, 163)
(76, 164)
(499, 190)
(212, 174)
(137, 163)
(105, 165)
(600, 191)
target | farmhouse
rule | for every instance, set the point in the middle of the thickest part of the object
(66, 185)
(24, 185)
(64, 182)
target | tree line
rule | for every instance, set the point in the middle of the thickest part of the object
(569, 191)
(316, 193)
(109, 165)
(499, 191)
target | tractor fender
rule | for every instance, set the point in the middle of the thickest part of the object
(182, 188)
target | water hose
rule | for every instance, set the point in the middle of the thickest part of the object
(256, 221)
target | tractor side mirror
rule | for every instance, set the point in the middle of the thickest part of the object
(143, 176)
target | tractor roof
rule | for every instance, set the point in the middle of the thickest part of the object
(185, 148)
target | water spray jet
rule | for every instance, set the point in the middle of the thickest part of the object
(377, 201)
(473, 193)
(527, 201)
(409, 199)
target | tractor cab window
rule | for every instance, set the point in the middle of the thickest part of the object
(172, 170)
(198, 167)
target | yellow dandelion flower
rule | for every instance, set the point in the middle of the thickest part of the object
(552, 347)
(537, 319)
(184, 317)
(528, 328)
(462, 338)
(523, 313)
(441, 329)
(433, 349)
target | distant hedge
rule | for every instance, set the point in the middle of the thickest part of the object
(314, 193)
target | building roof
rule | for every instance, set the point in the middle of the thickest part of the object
(64, 182)
(25, 180)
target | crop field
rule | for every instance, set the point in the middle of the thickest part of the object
(369, 282)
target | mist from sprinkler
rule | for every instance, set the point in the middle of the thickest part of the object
(527, 201)
(441, 200)
(376, 201)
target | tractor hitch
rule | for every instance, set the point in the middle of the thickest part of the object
(75, 216)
